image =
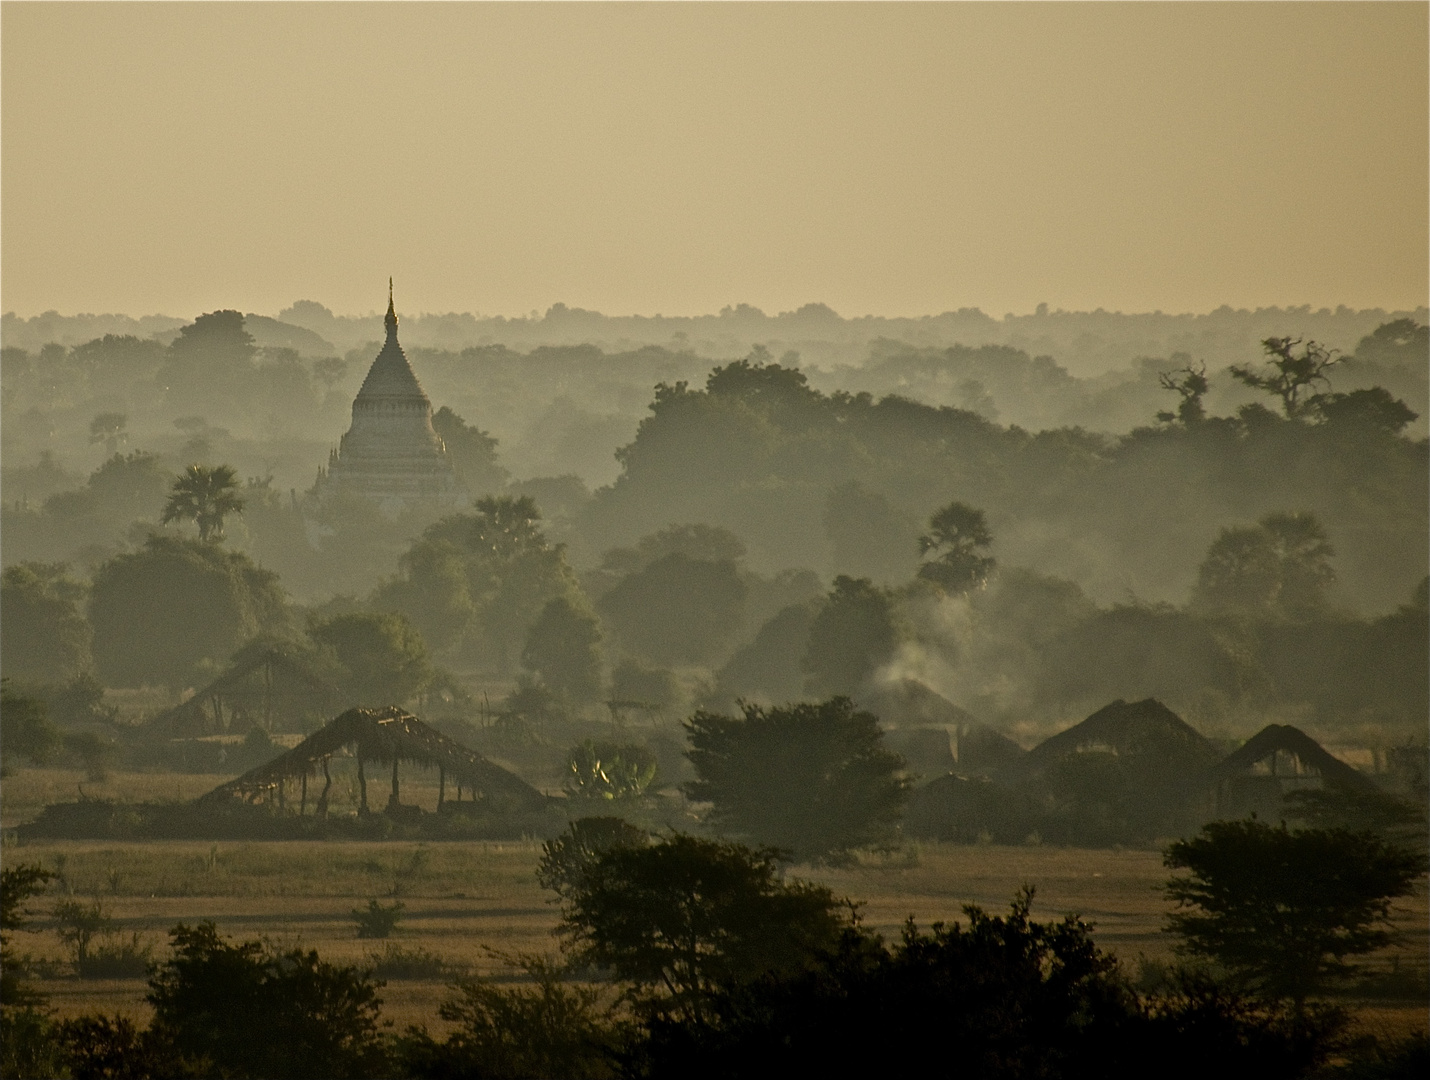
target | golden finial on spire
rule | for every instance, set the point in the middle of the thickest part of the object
(391, 319)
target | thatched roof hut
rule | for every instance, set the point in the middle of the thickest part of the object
(381, 736)
(1146, 731)
(270, 689)
(1275, 761)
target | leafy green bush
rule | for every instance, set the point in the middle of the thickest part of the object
(608, 771)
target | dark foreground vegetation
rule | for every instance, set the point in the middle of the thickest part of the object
(690, 957)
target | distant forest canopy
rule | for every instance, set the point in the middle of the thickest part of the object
(833, 470)
(1087, 344)
(761, 538)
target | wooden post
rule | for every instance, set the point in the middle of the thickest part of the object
(395, 801)
(303, 803)
(322, 808)
(362, 786)
(441, 786)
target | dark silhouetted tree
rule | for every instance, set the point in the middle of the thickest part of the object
(253, 1011)
(473, 453)
(812, 779)
(683, 918)
(159, 611)
(566, 857)
(563, 649)
(1190, 384)
(204, 496)
(108, 428)
(46, 638)
(1293, 375)
(957, 535)
(852, 636)
(1373, 410)
(677, 609)
(1277, 568)
(382, 656)
(1284, 910)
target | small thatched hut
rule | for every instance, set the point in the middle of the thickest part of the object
(269, 689)
(379, 736)
(1276, 761)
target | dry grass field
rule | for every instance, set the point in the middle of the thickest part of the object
(463, 899)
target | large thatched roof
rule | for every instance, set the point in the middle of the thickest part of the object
(1283, 738)
(268, 688)
(380, 735)
(1146, 730)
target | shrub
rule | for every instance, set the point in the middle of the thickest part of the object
(256, 1012)
(377, 921)
(395, 962)
(607, 771)
(566, 858)
(551, 1029)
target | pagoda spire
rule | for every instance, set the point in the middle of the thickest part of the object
(391, 319)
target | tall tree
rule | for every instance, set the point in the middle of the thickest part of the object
(812, 779)
(108, 428)
(1190, 384)
(956, 537)
(563, 649)
(686, 917)
(1278, 568)
(161, 611)
(473, 453)
(1284, 910)
(204, 496)
(382, 656)
(851, 637)
(1293, 375)
(47, 638)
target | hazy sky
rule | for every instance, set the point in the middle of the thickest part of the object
(674, 158)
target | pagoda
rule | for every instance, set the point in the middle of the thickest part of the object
(391, 455)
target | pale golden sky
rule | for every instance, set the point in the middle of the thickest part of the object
(881, 158)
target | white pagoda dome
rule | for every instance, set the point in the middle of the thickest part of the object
(390, 454)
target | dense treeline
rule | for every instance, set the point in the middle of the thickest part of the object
(1237, 551)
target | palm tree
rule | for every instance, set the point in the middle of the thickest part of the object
(956, 533)
(205, 495)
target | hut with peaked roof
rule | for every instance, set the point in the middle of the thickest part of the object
(1276, 761)
(391, 455)
(387, 737)
(1130, 770)
(270, 689)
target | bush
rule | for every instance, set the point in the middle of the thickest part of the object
(553, 1029)
(683, 917)
(566, 858)
(257, 1012)
(395, 962)
(607, 771)
(377, 921)
(1000, 998)
(117, 959)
